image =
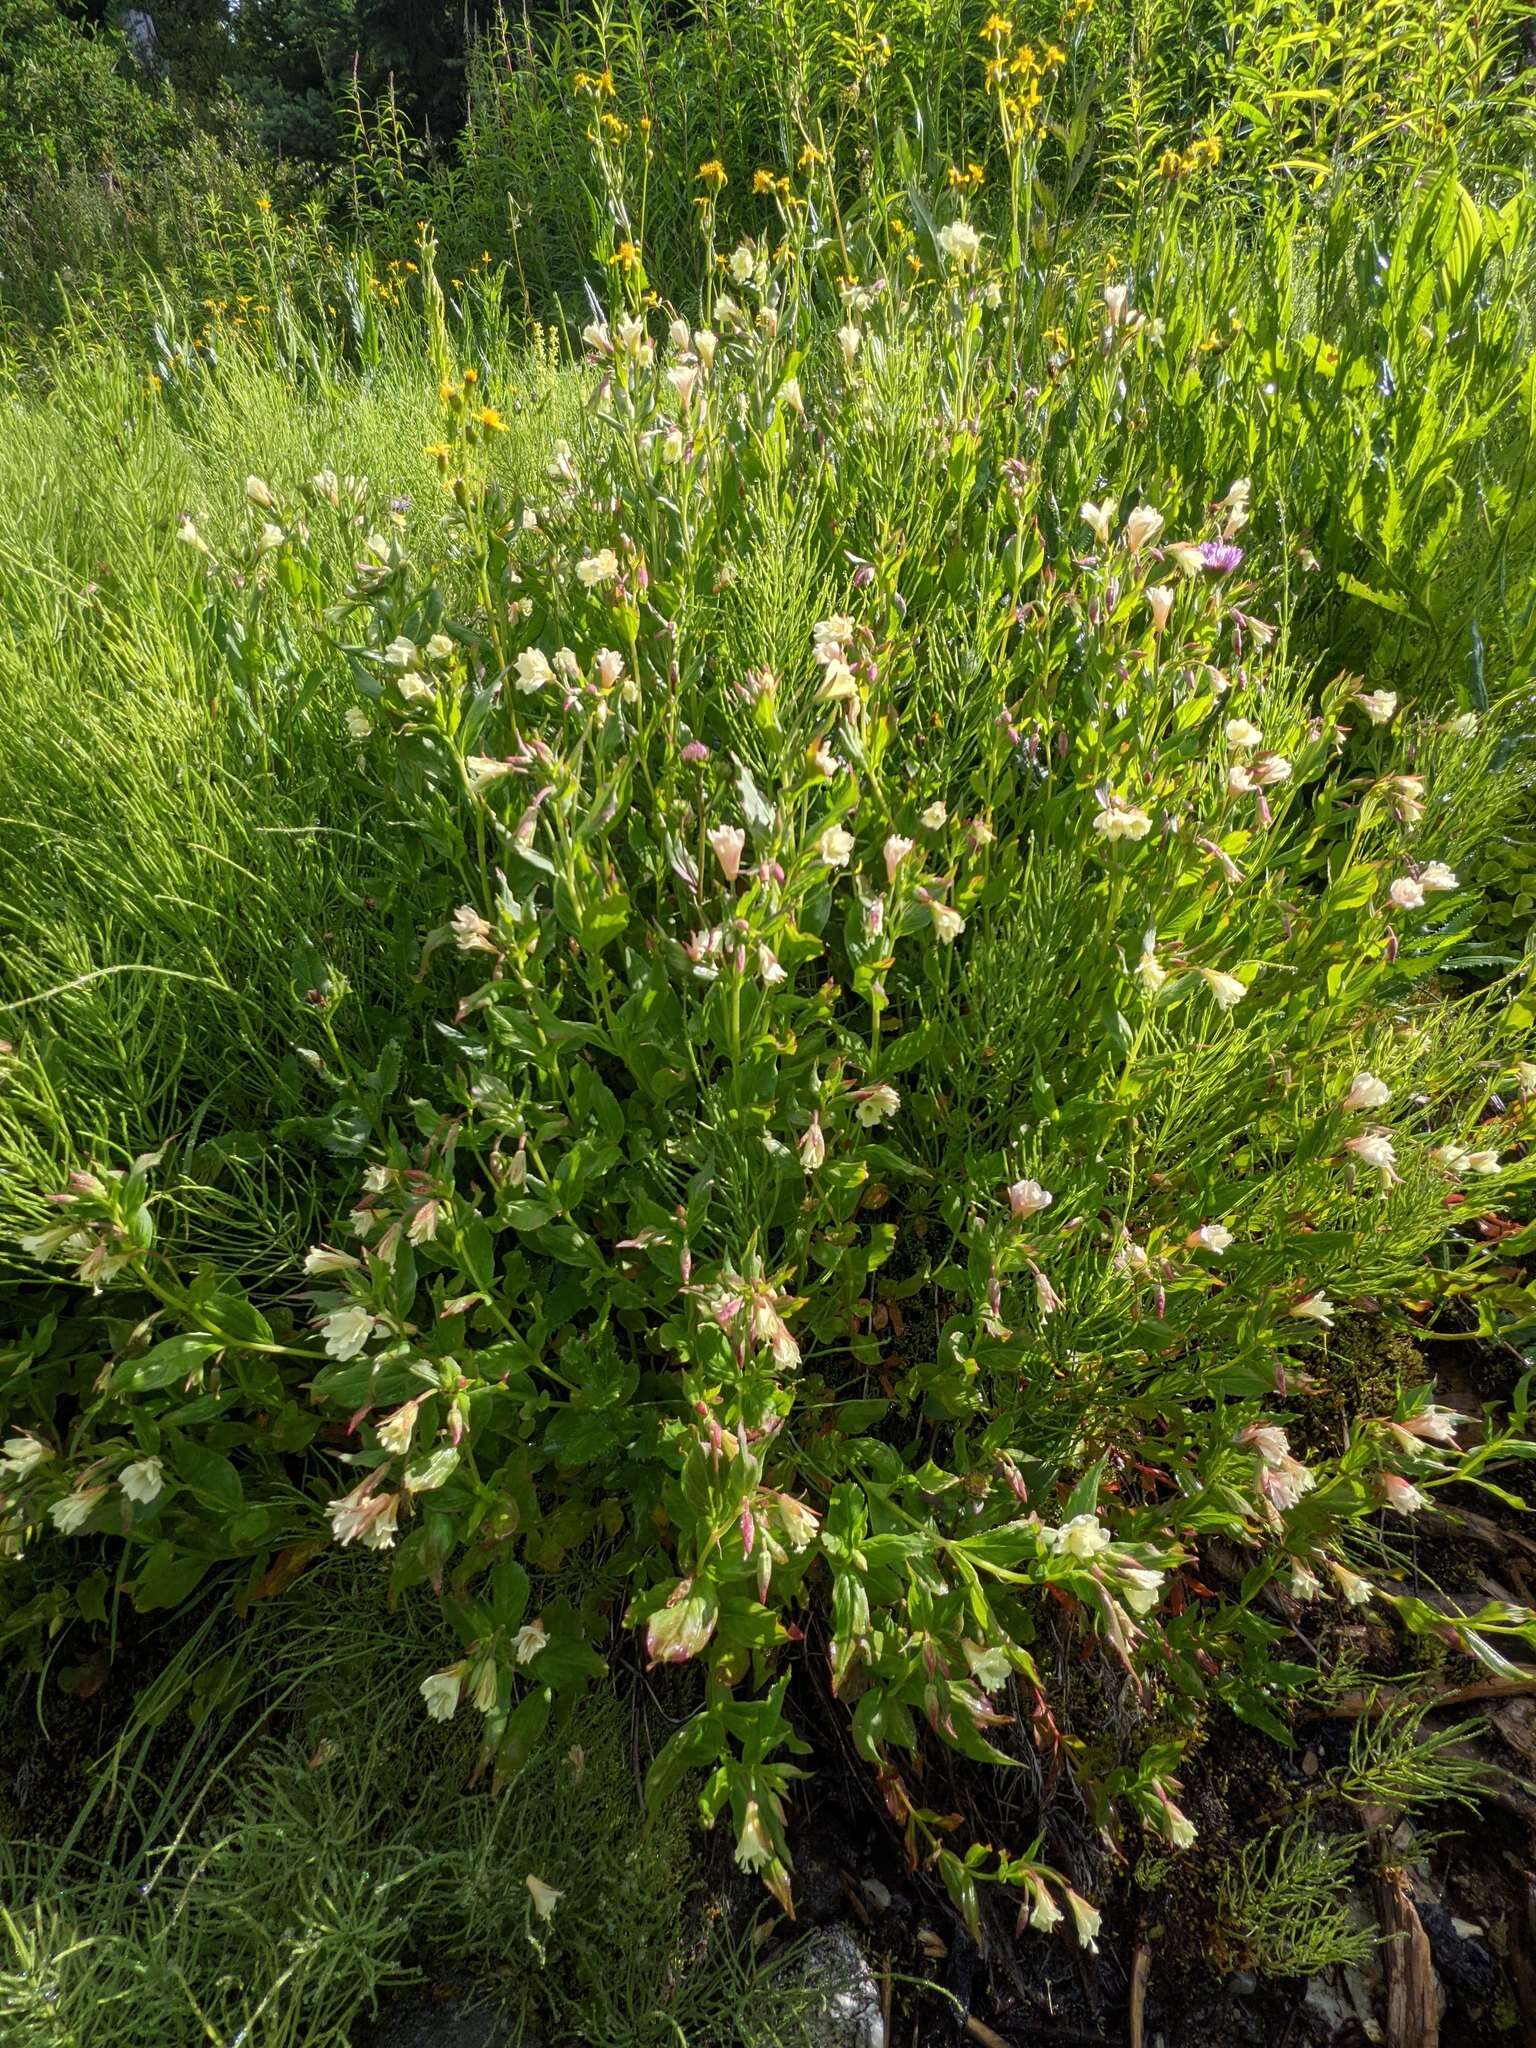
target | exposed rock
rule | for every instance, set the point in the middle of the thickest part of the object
(430, 2019)
(834, 1966)
(1460, 1955)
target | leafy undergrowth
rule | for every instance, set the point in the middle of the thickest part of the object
(272, 1844)
(769, 1032)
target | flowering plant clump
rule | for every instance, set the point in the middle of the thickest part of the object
(936, 1017)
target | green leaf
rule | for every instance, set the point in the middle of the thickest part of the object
(166, 1578)
(210, 1475)
(174, 1358)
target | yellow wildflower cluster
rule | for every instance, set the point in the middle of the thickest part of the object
(248, 311)
(597, 85)
(469, 419)
(966, 177)
(1176, 165)
(611, 125)
(712, 174)
(626, 257)
(1017, 73)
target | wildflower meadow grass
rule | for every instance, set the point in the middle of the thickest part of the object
(750, 981)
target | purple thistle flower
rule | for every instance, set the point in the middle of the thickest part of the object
(1220, 556)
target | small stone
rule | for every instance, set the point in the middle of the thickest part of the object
(878, 1894)
(833, 1965)
(1460, 1952)
(425, 2019)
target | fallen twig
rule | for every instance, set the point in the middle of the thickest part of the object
(1351, 1706)
(980, 2031)
(1141, 1971)
(1413, 2002)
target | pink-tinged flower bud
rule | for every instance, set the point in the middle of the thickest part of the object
(1366, 1092)
(1223, 860)
(1015, 1479)
(876, 1105)
(728, 842)
(1176, 1825)
(1142, 528)
(1268, 1439)
(1045, 1294)
(528, 823)
(896, 850)
(1432, 1425)
(863, 576)
(1028, 1198)
(1085, 1919)
(748, 1532)
(1398, 1493)
(695, 751)
(1160, 604)
(1284, 1482)
(1314, 1308)
(1210, 1237)
(1356, 1591)
(1374, 1148)
(813, 1146)
(1099, 517)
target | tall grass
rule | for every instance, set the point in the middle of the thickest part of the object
(271, 1848)
(1131, 826)
(192, 858)
(1298, 93)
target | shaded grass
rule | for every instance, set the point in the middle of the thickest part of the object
(311, 1844)
(188, 847)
